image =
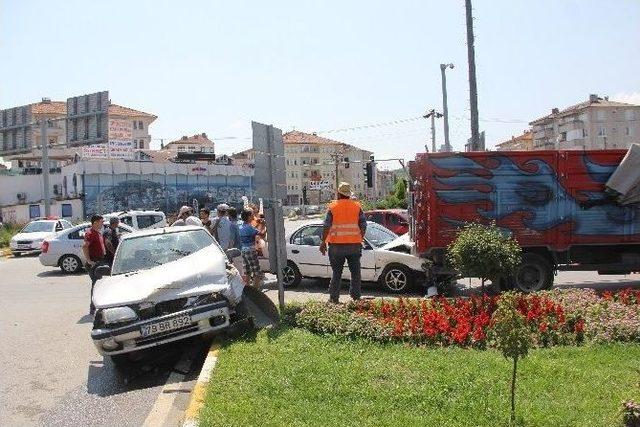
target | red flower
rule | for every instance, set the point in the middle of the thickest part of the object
(479, 335)
(579, 326)
(542, 327)
(607, 295)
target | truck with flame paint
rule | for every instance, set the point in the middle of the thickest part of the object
(554, 203)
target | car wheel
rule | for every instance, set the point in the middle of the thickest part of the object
(291, 275)
(534, 274)
(16, 254)
(70, 264)
(396, 278)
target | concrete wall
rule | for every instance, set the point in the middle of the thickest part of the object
(22, 214)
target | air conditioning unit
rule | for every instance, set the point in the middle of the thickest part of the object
(57, 190)
(21, 196)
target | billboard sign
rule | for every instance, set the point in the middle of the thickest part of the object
(16, 131)
(120, 139)
(319, 185)
(87, 119)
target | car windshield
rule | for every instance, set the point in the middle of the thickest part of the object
(379, 236)
(39, 226)
(144, 252)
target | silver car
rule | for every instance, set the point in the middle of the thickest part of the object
(165, 285)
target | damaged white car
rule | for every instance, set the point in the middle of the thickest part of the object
(165, 285)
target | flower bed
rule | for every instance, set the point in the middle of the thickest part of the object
(558, 317)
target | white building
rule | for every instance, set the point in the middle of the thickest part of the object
(594, 124)
(192, 144)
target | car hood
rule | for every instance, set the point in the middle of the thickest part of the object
(401, 240)
(197, 274)
(40, 235)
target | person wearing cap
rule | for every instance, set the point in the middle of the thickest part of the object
(185, 217)
(344, 228)
(221, 227)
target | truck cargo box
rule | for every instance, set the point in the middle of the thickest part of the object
(547, 199)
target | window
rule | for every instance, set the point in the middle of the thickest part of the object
(75, 106)
(629, 115)
(127, 220)
(135, 124)
(75, 128)
(308, 236)
(628, 131)
(601, 115)
(146, 221)
(99, 124)
(376, 217)
(86, 128)
(379, 236)
(602, 131)
(78, 234)
(67, 211)
(140, 125)
(86, 104)
(585, 133)
(66, 224)
(24, 137)
(34, 211)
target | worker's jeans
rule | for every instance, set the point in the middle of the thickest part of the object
(338, 254)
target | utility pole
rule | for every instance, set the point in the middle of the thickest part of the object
(433, 114)
(445, 109)
(45, 166)
(473, 88)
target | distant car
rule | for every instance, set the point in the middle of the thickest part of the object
(165, 285)
(64, 250)
(30, 238)
(396, 220)
(139, 220)
(386, 258)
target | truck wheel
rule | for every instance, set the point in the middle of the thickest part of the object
(396, 278)
(291, 275)
(534, 274)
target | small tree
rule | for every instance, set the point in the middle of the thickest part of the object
(483, 251)
(511, 337)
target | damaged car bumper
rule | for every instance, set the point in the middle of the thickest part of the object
(162, 329)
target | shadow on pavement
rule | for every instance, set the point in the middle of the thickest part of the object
(87, 318)
(58, 273)
(151, 368)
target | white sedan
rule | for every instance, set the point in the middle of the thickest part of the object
(64, 250)
(30, 238)
(386, 258)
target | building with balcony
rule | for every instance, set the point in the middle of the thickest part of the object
(523, 142)
(595, 124)
(309, 160)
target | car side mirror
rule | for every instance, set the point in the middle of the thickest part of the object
(101, 271)
(233, 253)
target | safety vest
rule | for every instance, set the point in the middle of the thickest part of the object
(345, 218)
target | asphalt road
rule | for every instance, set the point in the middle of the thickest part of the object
(51, 374)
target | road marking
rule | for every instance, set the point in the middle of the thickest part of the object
(196, 402)
(163, 404)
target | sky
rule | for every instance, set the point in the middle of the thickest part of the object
(322, 66)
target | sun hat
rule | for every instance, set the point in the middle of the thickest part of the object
(183, 210)
(344, 188)
(223, 207)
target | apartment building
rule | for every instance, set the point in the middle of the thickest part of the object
(522, 142)
(309, 160)
(594, 124)
(192, 144)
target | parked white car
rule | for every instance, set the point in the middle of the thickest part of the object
(139, 220)
(386, 258)
(165, 285)
(30, 238)
(64, 250)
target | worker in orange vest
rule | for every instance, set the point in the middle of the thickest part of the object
(344, 228)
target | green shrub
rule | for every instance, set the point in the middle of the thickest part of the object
(7, 231)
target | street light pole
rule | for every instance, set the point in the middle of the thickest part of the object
(445, 109)
(45, 167)
(433, 114)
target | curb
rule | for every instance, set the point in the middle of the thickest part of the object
(196, 402)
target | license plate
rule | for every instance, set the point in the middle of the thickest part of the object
(165, 325)
(24, 246)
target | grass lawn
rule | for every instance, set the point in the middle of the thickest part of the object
(292, 377)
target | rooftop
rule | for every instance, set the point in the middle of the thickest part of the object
(525, 137)
(593, 101)
(199, 139)
(60, 108)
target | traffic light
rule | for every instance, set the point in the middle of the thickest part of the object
(368, 173)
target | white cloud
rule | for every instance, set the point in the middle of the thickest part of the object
(630, 98)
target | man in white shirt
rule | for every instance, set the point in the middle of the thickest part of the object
(185, 217)
(221, 227)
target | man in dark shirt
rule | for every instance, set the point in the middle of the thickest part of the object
(94, 251)
(111, 239)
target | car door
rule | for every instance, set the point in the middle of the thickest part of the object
(75, 240)
(304, 250)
